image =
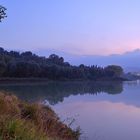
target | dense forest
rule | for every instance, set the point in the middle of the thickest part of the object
(27, 65)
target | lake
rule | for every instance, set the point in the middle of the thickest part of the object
(103, 110)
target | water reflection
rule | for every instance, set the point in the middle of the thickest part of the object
(103, 120)
(55, 92)
(103, 110)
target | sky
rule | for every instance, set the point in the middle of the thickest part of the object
(81, 27)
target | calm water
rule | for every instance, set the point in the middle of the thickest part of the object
(104, 111)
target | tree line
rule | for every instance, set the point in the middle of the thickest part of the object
(28, 64)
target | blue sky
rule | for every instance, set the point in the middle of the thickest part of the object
(83, 27)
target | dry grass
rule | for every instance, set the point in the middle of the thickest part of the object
(23, 121)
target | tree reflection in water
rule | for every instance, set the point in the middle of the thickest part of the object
(55, 92)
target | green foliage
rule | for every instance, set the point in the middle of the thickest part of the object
(17, 129)
(114, 70)
(27, 64)
(2, 68)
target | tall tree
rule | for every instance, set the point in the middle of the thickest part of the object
(2, 13)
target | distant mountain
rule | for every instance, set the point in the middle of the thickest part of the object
(130, 61)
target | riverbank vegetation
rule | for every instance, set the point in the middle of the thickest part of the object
(23, 121)
(27, 65)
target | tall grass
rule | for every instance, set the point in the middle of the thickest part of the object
(23, 121)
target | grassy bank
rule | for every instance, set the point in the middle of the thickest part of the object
(23, 121)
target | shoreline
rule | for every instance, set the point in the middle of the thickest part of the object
(32, 121)
(45, 80)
